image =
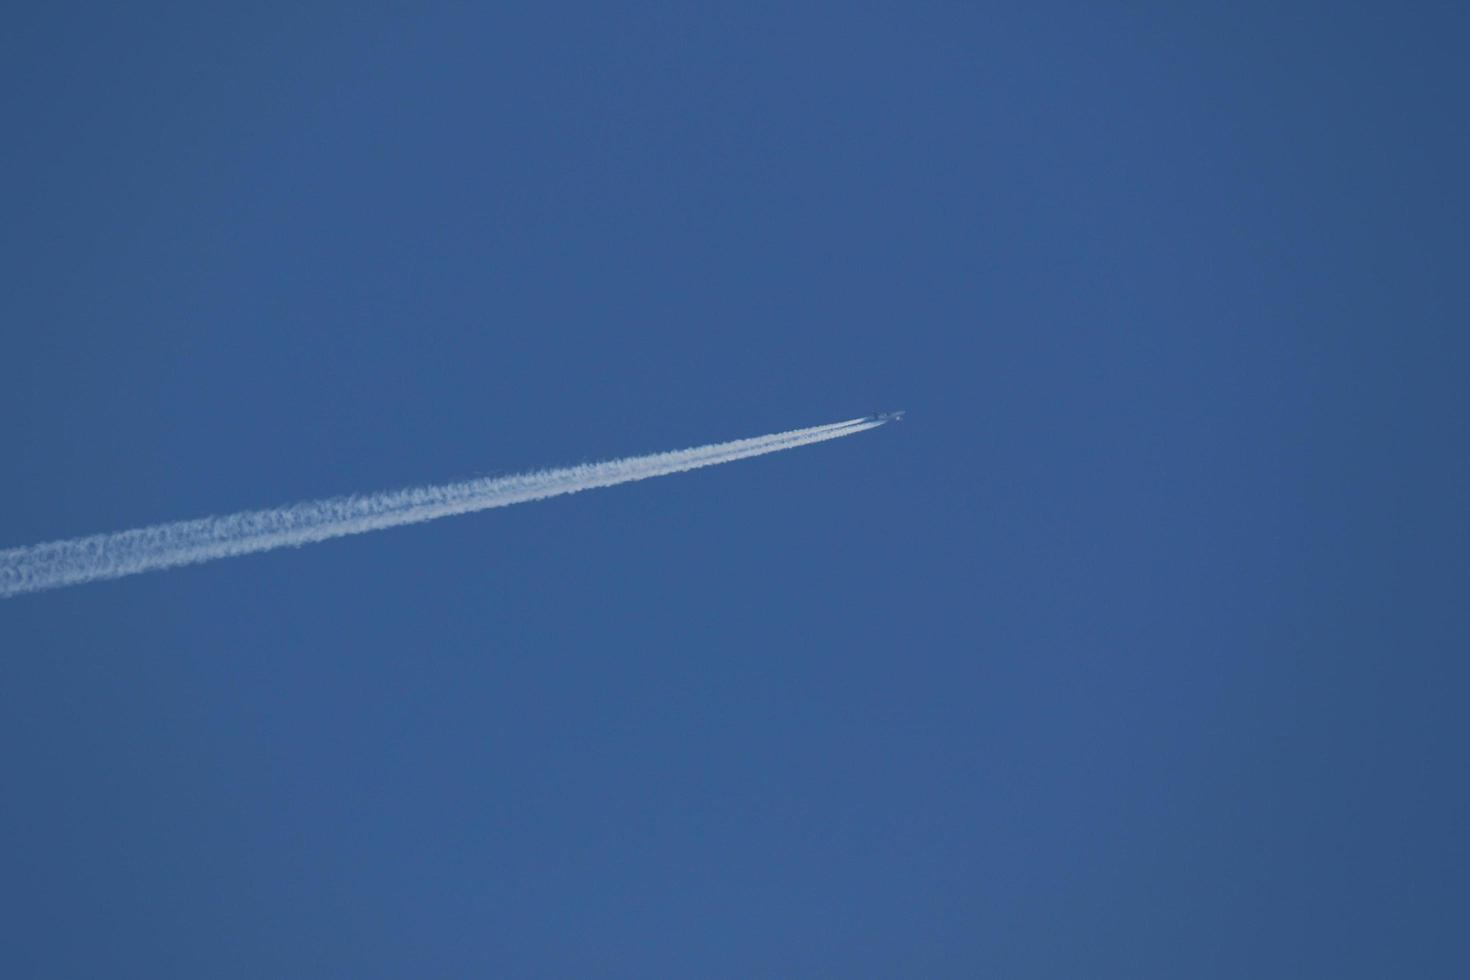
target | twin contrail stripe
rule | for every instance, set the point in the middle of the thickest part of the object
(146, 549)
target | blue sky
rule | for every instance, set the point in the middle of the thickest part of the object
(1137, 650)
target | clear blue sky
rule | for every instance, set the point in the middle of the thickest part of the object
(1138, 650)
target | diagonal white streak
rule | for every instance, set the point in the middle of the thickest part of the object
(104, 556)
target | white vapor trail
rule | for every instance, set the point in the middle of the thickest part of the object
(104, 556)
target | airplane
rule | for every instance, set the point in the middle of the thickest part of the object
(888, 416)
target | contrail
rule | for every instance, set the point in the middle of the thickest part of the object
(104, 556)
